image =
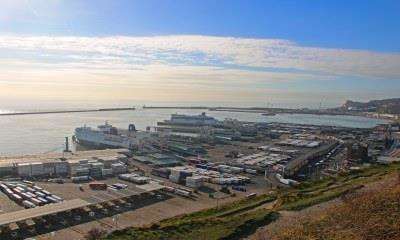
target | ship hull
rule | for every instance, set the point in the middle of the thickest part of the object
(86, 136)
(95, 145)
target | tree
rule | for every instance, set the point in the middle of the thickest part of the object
(95, 234)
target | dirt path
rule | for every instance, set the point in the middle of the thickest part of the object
(289, 218)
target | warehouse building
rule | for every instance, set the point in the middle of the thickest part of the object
(55, 165)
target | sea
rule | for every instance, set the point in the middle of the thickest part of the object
(45, 133)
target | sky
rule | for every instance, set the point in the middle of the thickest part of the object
(255, 53)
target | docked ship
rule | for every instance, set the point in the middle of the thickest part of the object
(107, 136)
(191, 120)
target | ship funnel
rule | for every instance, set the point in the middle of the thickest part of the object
(66, 145)
(132, 128)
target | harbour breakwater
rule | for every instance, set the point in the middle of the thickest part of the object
(68, 111)
(262, 110)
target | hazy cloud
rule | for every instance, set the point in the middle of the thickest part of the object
(267, 55)
(183, 68)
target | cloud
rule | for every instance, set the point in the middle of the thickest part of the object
(185, 68)
(28, 10)
(124, 75)
(268, 55)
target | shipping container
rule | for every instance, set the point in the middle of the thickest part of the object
(80, 179)
(49, 168)
(7, 169)
(182, 193)
(61, 168)
(2, 187)
(51, 199)
(25, 196)
(20, 185)
(40, 194)
(134, 178)
(251, 171)
(37, 188)
(43, 200)
(98, 186)
(162, 172)
(169, 189)
(46, 192)
(83, 161)
(57, 197)
(20, 189)
(139, 180)
(37, 169)
(119, 185)
(36, 201)
(24, 170)
(29, 183)
(251, 195)
(82, 171)
(107, 172)
(32, 195)
(194, 182)
(28, 204)
(16, 197)
(118, 168)
(9, 192)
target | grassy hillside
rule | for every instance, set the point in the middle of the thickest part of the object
(371, 215)
(312, 193)
(230, 221)
(243, 218)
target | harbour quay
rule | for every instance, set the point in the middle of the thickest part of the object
(186, 164)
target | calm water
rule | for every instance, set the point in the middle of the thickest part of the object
(45, 133)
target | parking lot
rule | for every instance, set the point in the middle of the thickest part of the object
(81, 205)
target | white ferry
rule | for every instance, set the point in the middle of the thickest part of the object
(107, 136)
(191, 120)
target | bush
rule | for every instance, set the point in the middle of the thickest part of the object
(95, 234)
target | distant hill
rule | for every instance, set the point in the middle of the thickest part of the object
(391, 106)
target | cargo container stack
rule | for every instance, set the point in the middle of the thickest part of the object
(96, 169)
(37, 169)
(161, 172)
(49, 168)
(107, 172)
(230, 169)
(24, 170)
(61, 168)
(194, 182)
(118, 168)
(82, 171)
(175, 176)
(134, 178)
(7, 169)
(80, 179)
(179, 174)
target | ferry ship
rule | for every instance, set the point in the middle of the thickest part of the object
(191, 120)
(107, 136)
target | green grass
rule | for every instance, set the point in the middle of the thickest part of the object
(227, 221)
(225, 209)
(311, 193)
(241, 218)
(232, 227)
(372, 214)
